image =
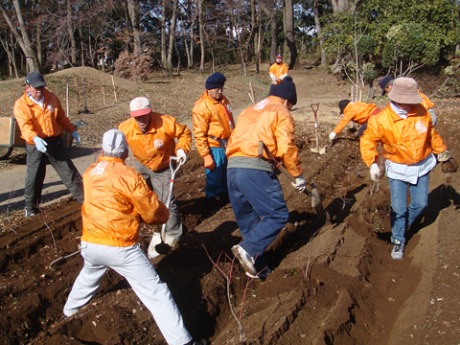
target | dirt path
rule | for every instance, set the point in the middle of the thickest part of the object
(334, 281)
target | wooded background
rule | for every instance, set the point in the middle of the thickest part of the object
(359, 38)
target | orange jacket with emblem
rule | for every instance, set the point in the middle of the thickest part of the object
(47, 122)
(211, 118)
(278, 71)
(116, 197)
(405, 141)
(271, 122)
(358, 112)
(154, 148)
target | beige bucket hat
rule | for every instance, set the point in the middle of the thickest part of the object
(404, 91)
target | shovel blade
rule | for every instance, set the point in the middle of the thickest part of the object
(316, 202)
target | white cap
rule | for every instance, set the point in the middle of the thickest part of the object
(139, 106)
(114, 141)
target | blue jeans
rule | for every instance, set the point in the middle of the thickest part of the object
(216, 180)
(259, 207)
(401, 215)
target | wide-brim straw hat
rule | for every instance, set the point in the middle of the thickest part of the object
(405, 91)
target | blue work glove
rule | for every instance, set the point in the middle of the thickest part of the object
(40, 144)
(77, 138)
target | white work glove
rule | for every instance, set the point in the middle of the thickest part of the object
(375, 172)
(77, 138)
(444, 156)
(332, 136)
(182, 156)
(40, 144)
(300, 183)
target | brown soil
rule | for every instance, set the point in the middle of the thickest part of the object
(334, 281)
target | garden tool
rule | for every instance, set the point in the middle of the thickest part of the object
(316, 202)
(317, 149)
(158, 244)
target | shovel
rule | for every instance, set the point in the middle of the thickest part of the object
(157, 244)
(317, 149)
(316, 202)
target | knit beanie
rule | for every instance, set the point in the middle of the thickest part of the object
(285, 90)
(215, 80)
(343, 104)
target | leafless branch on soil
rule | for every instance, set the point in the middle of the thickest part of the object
(42, 211)
(228, 278)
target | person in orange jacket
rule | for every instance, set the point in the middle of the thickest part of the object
(151, 137)
(354, 111)
(409, 143)
(116, 198)
(386, 84)
(254, 190)
(279, 70)
(212, 124)
(41, 120)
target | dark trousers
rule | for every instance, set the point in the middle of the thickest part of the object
(259, 207)
(36, 171)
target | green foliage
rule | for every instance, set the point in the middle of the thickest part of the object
(369, 73)
(366, 45)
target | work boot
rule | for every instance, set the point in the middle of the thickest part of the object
(398, 250)
(246, 260)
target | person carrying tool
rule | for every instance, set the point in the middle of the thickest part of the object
(386, 84)
(279, 70)
(212, 124)
(409, 143)
(354, 111)
(41, 120)
(116, 197)
(255, 192)
(151, 138)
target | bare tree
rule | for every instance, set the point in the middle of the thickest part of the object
(289, 32)
(318, 33)
(273, 24)
(172, 36)
(133, 16)
(71, 32)
(200, 23)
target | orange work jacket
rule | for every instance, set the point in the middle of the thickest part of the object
(427, 104)
(405, 141)
(278, 71)
(211, 118)
(358, 112)
(154, 148)
(47, 122)
(271, 122)
(116, 198)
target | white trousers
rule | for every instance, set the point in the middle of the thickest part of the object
(132, 263)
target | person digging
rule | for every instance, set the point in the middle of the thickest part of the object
(409, 143)
(254, 190)
(151, 137)
(358, 112)
(116, 197)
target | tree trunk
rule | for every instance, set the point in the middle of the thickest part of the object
(163, 32)
(318, 32)
(289, 33)
(135, 24)
(71, 31)
(13, 55)
(274, 34)
(192, 32)
(82, 46)
(186, 48)
(172, 34)
(39, 43)
(24, 41)
(200, 23)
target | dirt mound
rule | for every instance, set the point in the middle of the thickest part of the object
(334, 281)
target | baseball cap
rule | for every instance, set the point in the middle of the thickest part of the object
(139, 106)
(383, 83)
(35, 79)
(114, 141)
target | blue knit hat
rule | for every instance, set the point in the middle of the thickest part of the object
(215, 80)
(383, 83)
(285, 90)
